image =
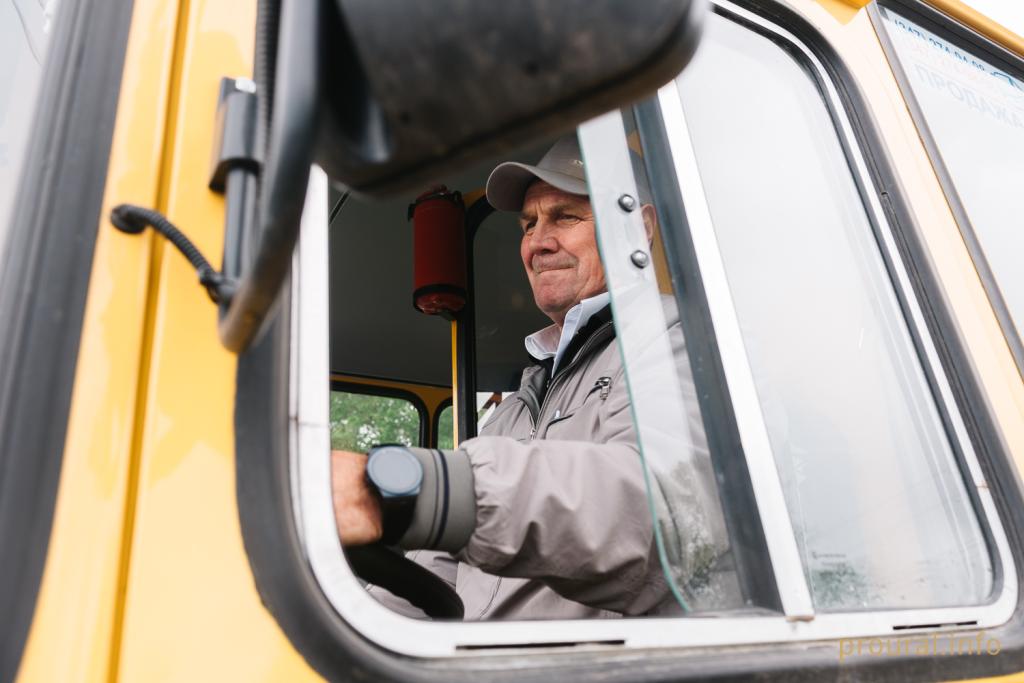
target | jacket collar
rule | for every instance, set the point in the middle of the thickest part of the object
(537, 377)
(553, 342)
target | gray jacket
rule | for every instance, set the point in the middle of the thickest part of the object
(546, 514)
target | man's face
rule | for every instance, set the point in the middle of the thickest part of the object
(559, 249)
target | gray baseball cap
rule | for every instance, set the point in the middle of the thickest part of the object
(561, 167)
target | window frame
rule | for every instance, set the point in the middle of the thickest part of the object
(975, 43)
(435, 429)
(751, 423)
(309, 593)
(423, 437)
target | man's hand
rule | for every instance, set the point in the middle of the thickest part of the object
(356, 508)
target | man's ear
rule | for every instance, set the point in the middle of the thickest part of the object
(650, 221)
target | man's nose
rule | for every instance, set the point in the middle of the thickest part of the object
(542, 239)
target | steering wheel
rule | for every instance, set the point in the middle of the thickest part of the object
(382, 566)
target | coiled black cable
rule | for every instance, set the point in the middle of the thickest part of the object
(132, 219)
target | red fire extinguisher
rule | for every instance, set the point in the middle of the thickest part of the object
(439, 252)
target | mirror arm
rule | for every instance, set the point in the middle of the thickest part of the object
(234, 168)
(262, 230)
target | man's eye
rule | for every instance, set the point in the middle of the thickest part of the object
(528, 227)
(569, 218)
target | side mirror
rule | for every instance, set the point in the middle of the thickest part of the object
(413, 90)
(387, 96)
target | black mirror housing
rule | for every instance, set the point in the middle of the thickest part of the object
(414, 90)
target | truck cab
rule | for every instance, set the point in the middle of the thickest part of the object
(833, 186)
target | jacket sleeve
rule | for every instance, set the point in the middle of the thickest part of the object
(572, 514)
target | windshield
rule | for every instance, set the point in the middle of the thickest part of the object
(24, 36)
(974, 112)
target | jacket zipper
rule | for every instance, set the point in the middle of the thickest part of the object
(584, 350)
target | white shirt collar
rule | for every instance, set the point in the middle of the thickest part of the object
(550, 343)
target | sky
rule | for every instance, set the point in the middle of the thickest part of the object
(1009, 13)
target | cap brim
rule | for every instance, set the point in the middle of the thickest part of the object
(508, 182)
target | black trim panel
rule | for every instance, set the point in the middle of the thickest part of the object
(43, 285)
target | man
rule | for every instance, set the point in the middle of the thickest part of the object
(545, 515)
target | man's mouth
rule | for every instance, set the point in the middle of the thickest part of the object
(538, 269)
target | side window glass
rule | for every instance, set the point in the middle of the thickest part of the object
(973, 111)
(879, 509)
(25, 27)
(655, 405)
(360, 421)
(445, 428)
(487, 402)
